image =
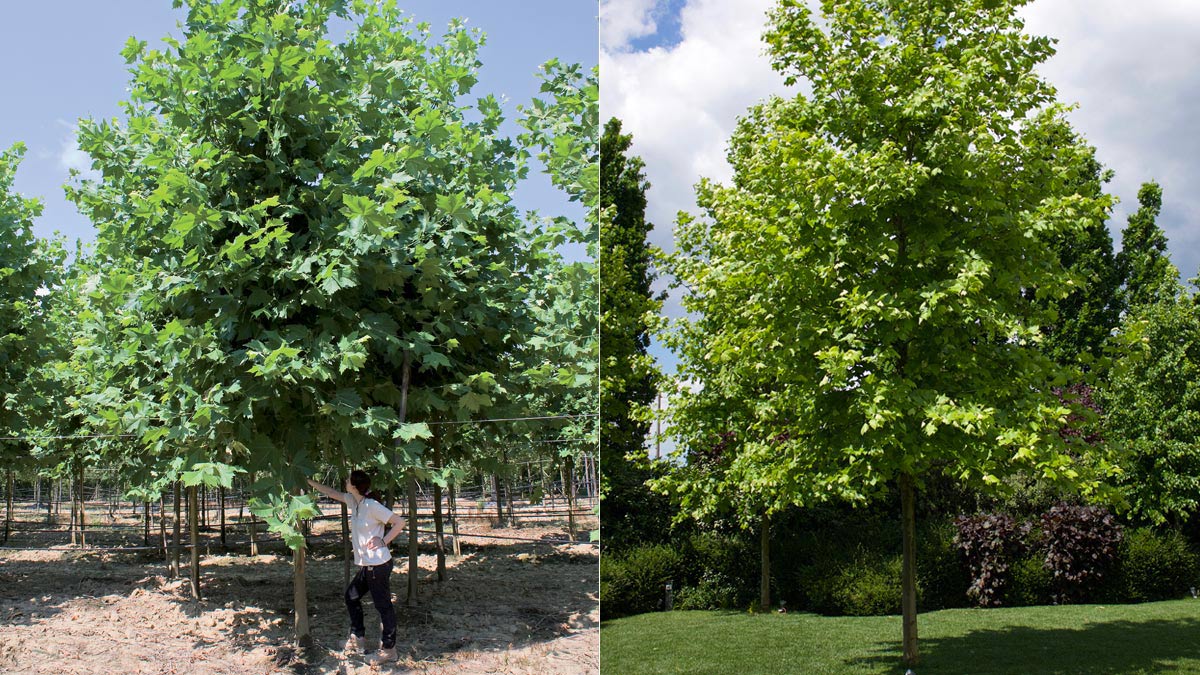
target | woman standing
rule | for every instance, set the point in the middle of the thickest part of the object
(373, 558)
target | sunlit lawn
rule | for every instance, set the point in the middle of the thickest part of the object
(1161, 637)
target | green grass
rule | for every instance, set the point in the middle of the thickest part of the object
(1160, 637)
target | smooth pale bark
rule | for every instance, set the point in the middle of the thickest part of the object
(175, 538)
(413, 553)
(253, 526)
(194, 538)
(438, 526)
(500, 520)
(569, 471)
(8, 500)
(764, 595)
(300, 598)
(82, 509)
(454, 520)
(347, 554)
(908, 571)
(162, 528)
(73, 488)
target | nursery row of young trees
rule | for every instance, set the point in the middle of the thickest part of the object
(909, 276)
(307, 257)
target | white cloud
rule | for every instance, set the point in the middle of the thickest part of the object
(681, 102)
(1131, 67)
(70, 157)
(622, 21)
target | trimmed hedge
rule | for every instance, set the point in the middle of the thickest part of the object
(632, 583)
(1155, 566)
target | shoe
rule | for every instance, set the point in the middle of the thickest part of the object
(385, 656)
(354, 645)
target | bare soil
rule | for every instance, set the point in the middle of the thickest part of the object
(506, 607)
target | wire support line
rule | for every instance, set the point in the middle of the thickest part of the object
(464, 535)
(516, 419)
(498, 419)
(65, 438)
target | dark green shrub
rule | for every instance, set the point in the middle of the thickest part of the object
(632, 582)
(713, 592)
(1031, 583)
(864, 584)
(871, 587)
(1155, 566)
(725, 561)
(942, 579)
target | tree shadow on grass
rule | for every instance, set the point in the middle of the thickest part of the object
(1107, 648)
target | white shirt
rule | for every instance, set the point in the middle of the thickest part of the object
(367, 521)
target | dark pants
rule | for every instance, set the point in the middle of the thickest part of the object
(373, 578)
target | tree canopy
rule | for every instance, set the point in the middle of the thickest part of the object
(863, 276)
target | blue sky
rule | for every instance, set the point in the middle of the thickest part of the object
(679, 72)
(62, 62)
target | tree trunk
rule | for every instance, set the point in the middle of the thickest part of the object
(569, 473)
(253, 526)
(347, 553)
(175, 536)
(499, 502)
(73, 491)
(82, 509)
(300, 599)
(454, 521)
(194, 532)
(764, 588)
(8, 506)
(162, 527)
(508, 490)
(405, 382)
(146, 523)
(413, 567)
(438, 527)
(908, 572)
(221, 503)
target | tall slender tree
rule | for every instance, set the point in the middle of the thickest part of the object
(1087, 315)
(629, 379)
(1145, 267)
